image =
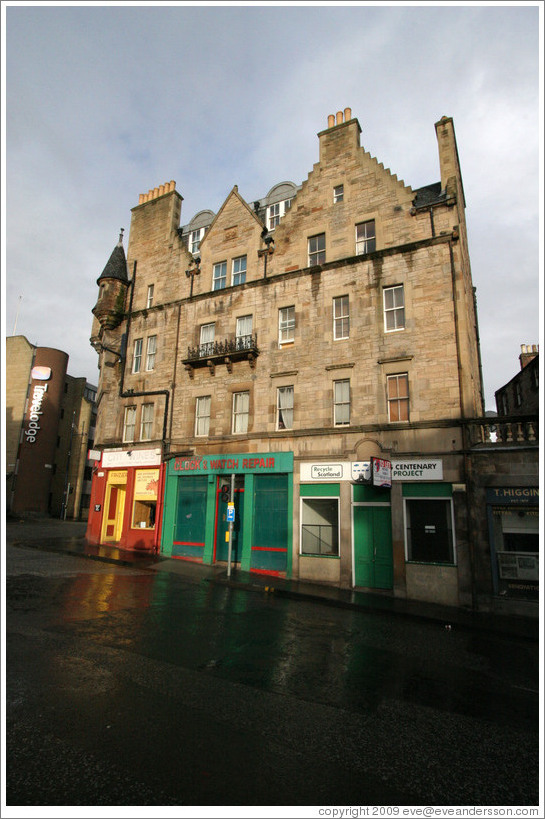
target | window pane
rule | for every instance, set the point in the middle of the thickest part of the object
(206, 346)
(202, 421)
(220, 276)
(285, 408)
(319, 526)
(241, 405)
(429, 531)
(239, 270)
(286, 324)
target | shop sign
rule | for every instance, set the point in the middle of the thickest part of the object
(517, 496)
(146, 484)
(226, 464)
(131, 457)
(331, 471)
(425, 469)
(117, 476)
(382, 473)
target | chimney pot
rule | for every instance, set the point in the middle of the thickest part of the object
(523, 348)
(331, 121)
(339, 117)
(140, 198)
(347, 114)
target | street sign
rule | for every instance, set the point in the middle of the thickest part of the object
(230, 513)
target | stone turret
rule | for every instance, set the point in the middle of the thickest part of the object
(113, 282)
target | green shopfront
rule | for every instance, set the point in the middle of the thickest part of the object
(197, 494)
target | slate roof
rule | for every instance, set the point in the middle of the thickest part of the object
(116, 267)
(429, 195)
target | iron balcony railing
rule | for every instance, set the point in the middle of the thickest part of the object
(227, 350)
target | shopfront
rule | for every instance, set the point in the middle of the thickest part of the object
(125, 499)
(197, 498)
(513, 526)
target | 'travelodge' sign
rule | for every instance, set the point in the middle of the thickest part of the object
(35, 411)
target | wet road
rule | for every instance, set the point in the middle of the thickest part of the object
(133, 687)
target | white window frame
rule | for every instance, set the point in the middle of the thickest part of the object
(301, 506)
(341, 404)
(129, 423)
(240, 413)
(195, 239)
(146, 422)
(397, 310)
(391, 401)
(137, 355)
(341, 320)
(276, 211)
(338, 194)
(219, 276)
(316, 256)
(286, 325)
(244, 332)
(207, 339)
(202, 415)
(452, 529)
(151, 352)
(149, 298)
(362, 242)
(283, 412)
(239, 272)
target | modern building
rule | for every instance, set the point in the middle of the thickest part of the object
(50, 419)
(310, 358)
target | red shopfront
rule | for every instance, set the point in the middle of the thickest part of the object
(126, 495)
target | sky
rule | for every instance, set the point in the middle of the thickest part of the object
(103, 102)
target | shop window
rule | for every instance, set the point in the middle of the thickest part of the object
(365, 237)
(241, 411)
(137, 356)
(316, 250)
(146, 425)
(341, 318)
(394, 308)
(202, 415)
(429, 530)
(398, 397)
(144, 515)
(341, 405)
(516, 541)
(284, 408)
(320, 526)
(286, 325)
(151, 351)
(146, 485)
(239, 270)
(219, 276)
(129, 422)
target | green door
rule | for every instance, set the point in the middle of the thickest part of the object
(373, 558)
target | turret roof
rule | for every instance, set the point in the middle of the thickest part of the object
(116, 267)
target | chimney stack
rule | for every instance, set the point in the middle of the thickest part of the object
(527, 353)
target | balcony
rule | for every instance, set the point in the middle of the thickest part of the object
(504, 431)
(213, 353)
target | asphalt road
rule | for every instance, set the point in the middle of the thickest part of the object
(128, 687)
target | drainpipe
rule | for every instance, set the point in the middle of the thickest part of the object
(132, 393)
(468, 466)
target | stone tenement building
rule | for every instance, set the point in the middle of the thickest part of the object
(301, 343)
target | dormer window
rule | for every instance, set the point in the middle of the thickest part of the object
(195, 238)
(276, 212)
